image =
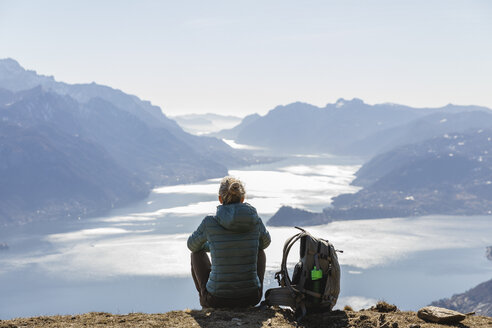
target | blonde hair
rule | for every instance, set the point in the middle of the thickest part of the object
(231, 190)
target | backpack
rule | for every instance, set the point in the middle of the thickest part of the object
(315, 282)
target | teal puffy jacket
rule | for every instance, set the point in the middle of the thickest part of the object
(233, 236)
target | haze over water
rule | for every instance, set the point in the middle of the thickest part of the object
(136, 259)
(235, 58)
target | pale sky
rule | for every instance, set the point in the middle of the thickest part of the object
(239, 57)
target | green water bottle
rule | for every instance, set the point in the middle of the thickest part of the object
(316, 275)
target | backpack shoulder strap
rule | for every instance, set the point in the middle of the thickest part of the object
(287, 294)
(285, 280)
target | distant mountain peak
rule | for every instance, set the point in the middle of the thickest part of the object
(298, 105)
(342, 102)
(357, 101)
(295, 104)
(11, 64)
(15, 78)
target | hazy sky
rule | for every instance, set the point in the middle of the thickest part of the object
(239, 57)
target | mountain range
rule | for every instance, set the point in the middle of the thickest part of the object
(80, 150)
(352, 127)
(450, 174)
(417, 161)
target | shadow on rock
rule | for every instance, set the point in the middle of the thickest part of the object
(272, 317)
(333, 319)
(250, 318)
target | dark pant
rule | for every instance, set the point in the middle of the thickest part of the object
(200, 270)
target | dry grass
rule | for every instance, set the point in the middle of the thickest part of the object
(384, 307)
(250, 318)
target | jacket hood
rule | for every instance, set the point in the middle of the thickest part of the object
(238, 217)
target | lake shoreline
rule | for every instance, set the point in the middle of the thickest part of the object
(132, 259)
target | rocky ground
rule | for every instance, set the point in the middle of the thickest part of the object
(378, 317)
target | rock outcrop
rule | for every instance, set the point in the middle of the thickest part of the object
(440, 315)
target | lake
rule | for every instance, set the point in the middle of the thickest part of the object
(135, 259)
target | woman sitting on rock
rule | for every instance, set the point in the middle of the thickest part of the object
(235, 238)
